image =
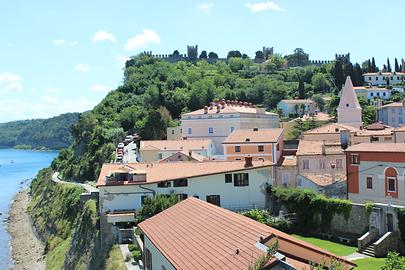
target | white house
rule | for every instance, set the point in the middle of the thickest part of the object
(229, 184)
(372, 92)
(297, 106)
(220, 119)
(383, 78)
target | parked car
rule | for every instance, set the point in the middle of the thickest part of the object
(121, 145)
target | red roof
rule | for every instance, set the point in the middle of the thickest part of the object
(195, 234)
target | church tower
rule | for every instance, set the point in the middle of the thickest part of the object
(349, 110)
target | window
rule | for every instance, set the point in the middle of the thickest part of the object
(378, 94)
(160, 156)
(339, 163)
(210, 130)
(286, 179)
(182, 196)
(232, 129)
(228, 178)
(305, 164)
(237, 149)
(172, 131)
(260, 148)
(355, 159)
(165, 184)
(376, 78)
(375, 139)
(180, 183)
(322, 164)
(384, 94)
(392, 184)
(387, 139)
(369, 182)
(278, 147)
(347, 104)
(371, 94)
(214, 199)
(241, 179)
(148, 259)
(190, 131)
(369, 78)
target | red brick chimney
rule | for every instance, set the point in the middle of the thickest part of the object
(248, 162)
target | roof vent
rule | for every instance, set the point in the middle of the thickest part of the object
(336, 129)
(248, 162)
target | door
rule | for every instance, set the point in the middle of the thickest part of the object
(390, 222)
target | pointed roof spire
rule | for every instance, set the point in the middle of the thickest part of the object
(348, 97)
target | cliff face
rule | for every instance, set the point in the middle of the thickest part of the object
(69, 229)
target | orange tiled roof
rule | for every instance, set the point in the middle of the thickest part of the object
(289, 161)
(309, 148)
(323, 179)
(378, 147)
(251, 136)
(229, 108)
(393, 104)
(331, 128)
(193, 157)
(371, 88)
(401, 128)
(175, 145)
(195, 234)
(168, 171)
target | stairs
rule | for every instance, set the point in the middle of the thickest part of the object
(369, 250)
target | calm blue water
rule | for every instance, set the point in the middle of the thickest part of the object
(25, 166)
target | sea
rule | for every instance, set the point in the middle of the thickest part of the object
(17, 169)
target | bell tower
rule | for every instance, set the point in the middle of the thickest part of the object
(349, 109)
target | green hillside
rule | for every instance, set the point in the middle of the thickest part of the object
(52, 133)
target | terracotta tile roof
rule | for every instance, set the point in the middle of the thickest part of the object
(195, 234)
(393, 104)
(378, 147)
(376, 126)
(175, 145)
(251, 136)
(228, 108)
(167, 171)
(331, 128)
(320, 116)
(309, 148)
(401, 128)
(297, 101)
(289, 161)
(323, 179)
(386, 131)
(184, 155)
(371, 88)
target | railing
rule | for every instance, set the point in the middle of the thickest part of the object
(366, 239)
(388, 242)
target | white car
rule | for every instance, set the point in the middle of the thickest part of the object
(121, 145)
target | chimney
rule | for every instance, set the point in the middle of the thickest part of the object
(205, 109)
(333, 173)
(218, 108)
(248, 162)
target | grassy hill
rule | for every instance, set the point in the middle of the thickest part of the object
(52, 133)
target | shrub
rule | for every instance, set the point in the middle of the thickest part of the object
(369, 207)
(401, 222)
(394, 262)
(259, 215)
(133, 247)
(137, 255)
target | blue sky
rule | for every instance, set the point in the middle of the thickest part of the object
(62, 56)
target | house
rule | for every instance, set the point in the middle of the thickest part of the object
(321, 167)
(200, 235)
(297, 107)
(372, 92)
(260, 144)
(392, 114)
(349, 109)
(286, 172)
(329, 132)
(375, 173)
(221, 118)
(399, 134)
(383, 78)
(184, 156)
(174, 133)
(234, 185)
(160, 149)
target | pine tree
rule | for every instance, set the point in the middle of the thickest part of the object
(373, 66)
(397, 68)
(301, 89)
(357, 78)
(388, 65)
(369, 66)
(339, 76)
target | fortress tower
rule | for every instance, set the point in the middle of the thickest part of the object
(192, 53)
(349, 109)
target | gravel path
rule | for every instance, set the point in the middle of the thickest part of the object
(27, 250)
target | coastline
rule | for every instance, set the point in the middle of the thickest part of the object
(27, 251)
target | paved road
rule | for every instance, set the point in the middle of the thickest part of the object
(87, 187)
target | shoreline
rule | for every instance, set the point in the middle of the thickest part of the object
(27, 250)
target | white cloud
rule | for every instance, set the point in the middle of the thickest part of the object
(52, 90)
(121, 60)
(103, 36)
(62, 42)
(100, 88)
(83, 67)
(205, 7)
(142, 40)
(9, 77)
(262, 6)
(50, 100)
(13, 87)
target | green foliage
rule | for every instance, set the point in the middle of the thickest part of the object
(320, 83)
(313, 210)
(369, 263)
(263, 216)
(338, 249)
(261, 262)
(154, 205)
(137, 255)
(52, 133)
(114, 259)
(301, 126)
(394, 262)
(56, 257)
(401, 222)
(369, 207)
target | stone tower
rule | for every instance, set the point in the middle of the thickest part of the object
(349, 109)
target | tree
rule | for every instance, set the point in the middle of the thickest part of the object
(176, 53)
(373, 66)
(357, 78)
(320, 83)
(213, 56)
(276, 62)
(397, 68)
(154, 205)
(203, 55)
(320, 102)
(338, 74)
(234, 54)
(301, 89)
(388, 65)
(259, 55)
(393, 262)
(369, 112)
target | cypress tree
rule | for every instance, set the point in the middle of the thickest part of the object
(357, 78)
(397, 68)
(388, 65)
(369, 66)
(373, 66)
(301, 89)
(339, 75)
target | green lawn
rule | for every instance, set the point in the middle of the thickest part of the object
(369, 263)
(335, 248)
